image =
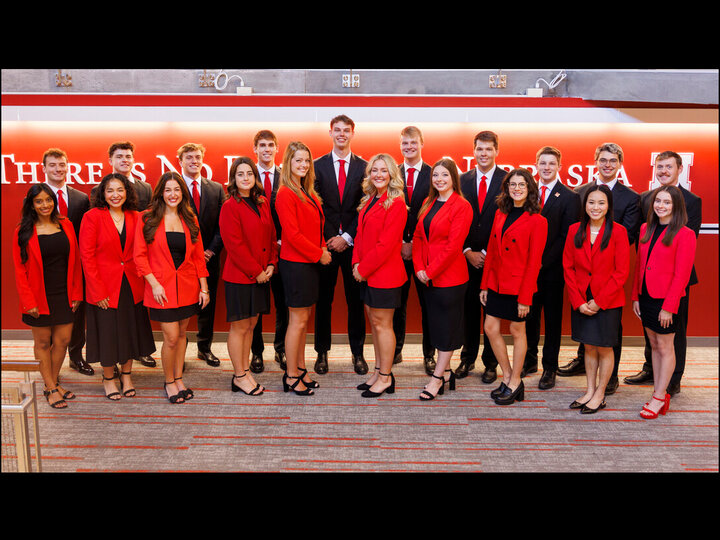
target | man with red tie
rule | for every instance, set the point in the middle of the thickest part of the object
(265, 146)
(73, 204)
(480, 186)
(417, 185)
(206, 199)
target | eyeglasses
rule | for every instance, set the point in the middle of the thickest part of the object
(513, 185)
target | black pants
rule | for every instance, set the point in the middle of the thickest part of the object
(617, 351)
(400, 317)
(281, 319)
(77, 338)
(206, 317)
(547, 303)
(355, 310)
(473, 324)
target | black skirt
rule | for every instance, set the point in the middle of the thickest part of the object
(375, 297)
(445, 313)
(503, 306)
(116, 335)
(174, 314)
(244, 301)
(301, 282)
(649, 312)
(599, 330)
(60, 312)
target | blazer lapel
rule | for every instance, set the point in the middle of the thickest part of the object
(111, 230)
(554, 195)
(518, 222)
(160, 236)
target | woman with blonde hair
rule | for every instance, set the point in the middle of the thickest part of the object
(378, 265)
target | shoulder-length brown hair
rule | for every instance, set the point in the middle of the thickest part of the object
(156, 211)
(257, 192)
(505, 203)
(451, 166)
(677, 220)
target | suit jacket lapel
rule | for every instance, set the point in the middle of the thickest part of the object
(554, 194)
(112, 232)
(518, 222)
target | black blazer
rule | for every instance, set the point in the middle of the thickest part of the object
(339, 215)
(561, 210)
(143, 191)
(78, 204)
(421, 188)
(212, 197)
(481, 227)
(693, 206)
(626, 211)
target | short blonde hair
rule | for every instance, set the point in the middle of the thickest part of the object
(190, 147)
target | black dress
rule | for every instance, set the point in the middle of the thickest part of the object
(176, 243)
(650, 307)
(116, 335)
(444, 304)
(54, 250)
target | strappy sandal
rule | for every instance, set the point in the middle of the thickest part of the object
(257, 391)
(130, 392)
(68, 394)
(311, 383)
(176, 398)
(427, 396)
(187, 394)
(111, 395)
(59, 404)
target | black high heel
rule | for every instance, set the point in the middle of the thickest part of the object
(509, 397)
(311, 384)
(130, 392)
(187, 394)
(258, 390)
(176, 398)
(287, 387)
(451, 380)
(111, 395)
(498, 391)
(59, 404)
(577, 405)
(366, 386)
(390, 389)
(427, 396)
(587, 410)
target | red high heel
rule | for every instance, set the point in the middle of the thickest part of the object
(649, 414)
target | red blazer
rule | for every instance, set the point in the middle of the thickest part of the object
(182, 286)
(104, 261)
(605, 270)
(302, 225)
(513, 260)
(667, 271)
(378, 243)
(29, 277)
(249, 240)
(441, 255)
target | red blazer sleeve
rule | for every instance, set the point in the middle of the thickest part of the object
(22, 277)
(615, 281)
(684, 259)
(234, 235)
(418, 246)
(460, 219)
(388, 241)
(575, 296)
(491, 253)
(140, 248)
(75, 275)
(96, 288)
(538, 238)
(287, 206)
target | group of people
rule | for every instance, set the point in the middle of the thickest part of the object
(485, 245)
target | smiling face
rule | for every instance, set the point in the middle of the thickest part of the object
(191, 163)
(380, 176)
(667, 171)
(411, 149)
(115, 194)
(172, 194)
(265, 150)
(55, 169)
(518, 189)
(299, 164)
(663, 206)
(608, 166)
(244, 179)
(122, 161)
(548, 167)
(596, 206)
(341, 135)
(485, 154)
(43, 204)
(442, 181)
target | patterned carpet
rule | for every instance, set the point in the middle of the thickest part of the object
(336, 430)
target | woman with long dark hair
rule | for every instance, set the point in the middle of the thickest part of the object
(512, 265)
(666, 252)
(596, 265)
(118, 326)
(169, 254)
(48, 275)
(248, 233)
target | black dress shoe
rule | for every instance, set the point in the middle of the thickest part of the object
(489, 376)
(256, 364)
(147, 361)
(209, 357)
(463, 369)
(528, 370)
(643, 377)
(359, 364)
(321, 364)
(574, 367)
(498, 391)
(587, 410)
(280, 359)
(397, 359)
(673, 388)
(547, 380)
(81, 366)
(429, 362)
(612, 386)
(508, 397)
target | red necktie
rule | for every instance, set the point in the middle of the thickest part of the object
(341, 178)
(62, 205)
(410, 178)
(482, 191)
(543, 189)
(268, 185)
(196, 197)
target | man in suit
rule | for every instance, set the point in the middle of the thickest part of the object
(265, 146)
(668, 166)
(73, 204)
(338, 181)
(206, 199)
(416, 174)
(560, 208)
(608, 161)
(480, 185)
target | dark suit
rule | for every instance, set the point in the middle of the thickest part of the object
(693, 206)
(212, 197)
(561, 210)
(477, 240)
(626, 212)
(339, 215)
(421, 187)
(78, 204)
(276, 285)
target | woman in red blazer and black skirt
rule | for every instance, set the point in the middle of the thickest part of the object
(302, 248)
(248, 234)
(118, 326)
(596, 263)
(512, 264)
(378, 265)
(48, 276)
(443, 224)
(169, 254)
(666, 252)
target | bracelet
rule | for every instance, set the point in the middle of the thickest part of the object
(204, 292)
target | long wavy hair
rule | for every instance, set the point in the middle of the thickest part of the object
(395, 187)
(308, 181)
(451, 166)
(585, 217)
(98, 199)
(156, 211)
(257, 192)
(28, 216)
(677, 220)
(505, 202)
